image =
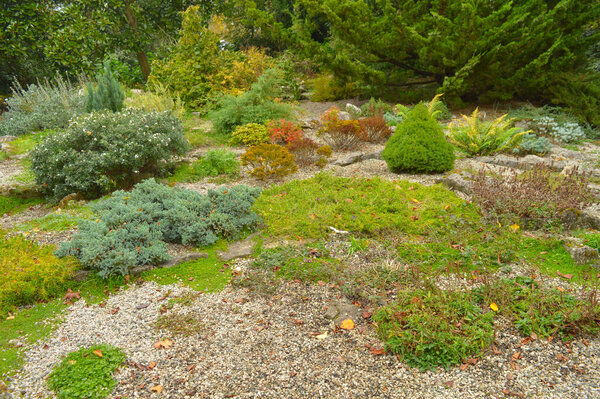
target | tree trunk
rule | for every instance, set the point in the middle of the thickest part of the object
(141, 55)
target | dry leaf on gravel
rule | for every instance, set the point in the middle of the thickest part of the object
(163, 343)
(157, 388)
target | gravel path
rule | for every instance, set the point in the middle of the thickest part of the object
(253, 346)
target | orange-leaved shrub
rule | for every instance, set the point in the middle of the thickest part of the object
(282, 131)
(269, 161)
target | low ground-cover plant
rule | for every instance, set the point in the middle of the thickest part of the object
(257, 105)
(16, 204)
(434, 328)
(311, 263)
(475, 137)
(542, 311)
(269, 161)
(86, 373)
(533, 144)
(104, 151)
(537, 198)
(250, 134)
(553, 122)
(133, 228)
(308, 208)
(418, 145)
(214, 163)
(30, 272)
(46, 105)
(58, 220)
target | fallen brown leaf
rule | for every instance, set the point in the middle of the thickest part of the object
(151, 365)
(97, 352)
(157, 388)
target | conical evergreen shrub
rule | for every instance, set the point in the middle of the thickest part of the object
(108, 93)
(418, 145)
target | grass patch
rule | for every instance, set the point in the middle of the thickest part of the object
(198, 132)
(27, 142)
(311, 263)
(30, 325)
(205, 274)
(14, 204)
(86, 373)
(307, 208)
(428, 329)
(59, 220)
(214, 163)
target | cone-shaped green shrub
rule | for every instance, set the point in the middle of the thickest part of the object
(418, 145)
(108, 94)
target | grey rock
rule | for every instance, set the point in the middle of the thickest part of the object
(238, 249)
(357, 158)
(80, 275)
(580, 253)
(185, 258)
(344, 116)
(590, 217)
(525, 163)
(340, 311)
(173, 262)
(459, 181)
(7, 139)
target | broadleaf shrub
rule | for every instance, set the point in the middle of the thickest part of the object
(30, 272)
(47, 105)
(104, 151)
(433, 317)
(282, 131)
(269, 161)
(477, 137)
(418, 145)
(257, 105)
(133, 228)
(536, 198)
(250, 134)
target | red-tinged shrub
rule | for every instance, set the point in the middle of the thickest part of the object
(282, 131)
(305, 151)
(374, 129)
(342, 135)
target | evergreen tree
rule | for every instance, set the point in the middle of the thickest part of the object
(108, 93)
(470, 49)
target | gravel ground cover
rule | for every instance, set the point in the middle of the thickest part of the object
(266, 346)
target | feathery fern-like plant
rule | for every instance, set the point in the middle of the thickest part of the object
(475, 136)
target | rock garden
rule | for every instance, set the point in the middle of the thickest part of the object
(245, 223)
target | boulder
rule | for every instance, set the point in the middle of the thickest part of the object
(580, 253)
(356, 158)
(339, 311)
(462, 182)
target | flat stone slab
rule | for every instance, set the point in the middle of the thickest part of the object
(238, 249)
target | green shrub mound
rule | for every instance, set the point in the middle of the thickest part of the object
(133, 228)
(434, 328)
(257, 105)
(86, 373)
(418, 145)
(47, 105)
(104, 151)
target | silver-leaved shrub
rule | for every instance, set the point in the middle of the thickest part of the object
(104, 151)
(133, 228)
